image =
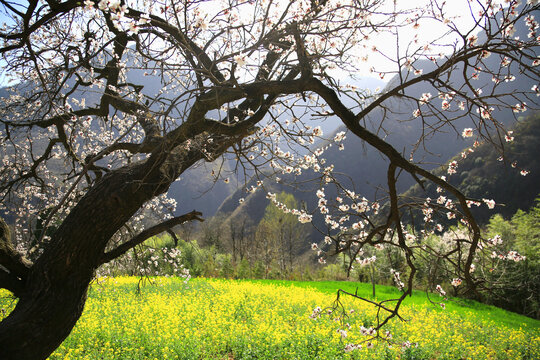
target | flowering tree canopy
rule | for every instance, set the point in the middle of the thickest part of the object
(89, 149)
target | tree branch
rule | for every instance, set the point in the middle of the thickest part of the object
(154, 230)
(301, 52)
(10, 282)
(10, 259)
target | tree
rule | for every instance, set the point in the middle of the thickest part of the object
(238, 238)
(283, 236)
(514, 286)
(89, 148)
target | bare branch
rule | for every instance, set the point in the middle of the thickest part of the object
(10, 282)
(15, 263)
(146, 234)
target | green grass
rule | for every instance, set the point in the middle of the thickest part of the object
(382, 292)
(270, 319)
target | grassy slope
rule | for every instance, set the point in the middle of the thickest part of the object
(265, 319)
(419, 298)
(461, 306)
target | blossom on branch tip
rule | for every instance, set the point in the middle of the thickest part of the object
(513, 255)
(425, 98)
(452, 167)
(440, 290)
(467, 132)
(304, 218)
(340, 136)
(490, 203)
(508, 137)
(352, 347)
(316, 313)
(240, 60)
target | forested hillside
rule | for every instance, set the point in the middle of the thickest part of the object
(510, 175)
(363, 168)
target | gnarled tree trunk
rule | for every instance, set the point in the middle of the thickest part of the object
(53, 292)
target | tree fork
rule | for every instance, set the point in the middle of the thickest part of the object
(56, 286)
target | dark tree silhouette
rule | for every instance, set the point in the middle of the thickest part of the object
(89, 147)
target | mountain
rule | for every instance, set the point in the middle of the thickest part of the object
(364, 168)
(197, 190)
(513, 183)
(481, 175)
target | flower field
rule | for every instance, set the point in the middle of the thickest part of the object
(227, 319)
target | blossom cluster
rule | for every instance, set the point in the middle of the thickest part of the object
(511, 255)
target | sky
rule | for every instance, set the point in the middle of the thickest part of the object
(456, 10)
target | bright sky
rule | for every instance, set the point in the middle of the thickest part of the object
(456, 10)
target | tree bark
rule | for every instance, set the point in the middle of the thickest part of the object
(57, 283)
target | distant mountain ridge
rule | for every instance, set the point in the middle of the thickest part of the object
(367, 167)
(513, 181)
(198, 190)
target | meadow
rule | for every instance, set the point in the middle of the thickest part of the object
(165, 318)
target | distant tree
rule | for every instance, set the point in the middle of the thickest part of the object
(514, 285)
(243, 269)
(527, 233)
(239, 237)
(265, 251)
(285, 235)
(211, 233)
(89, 149)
